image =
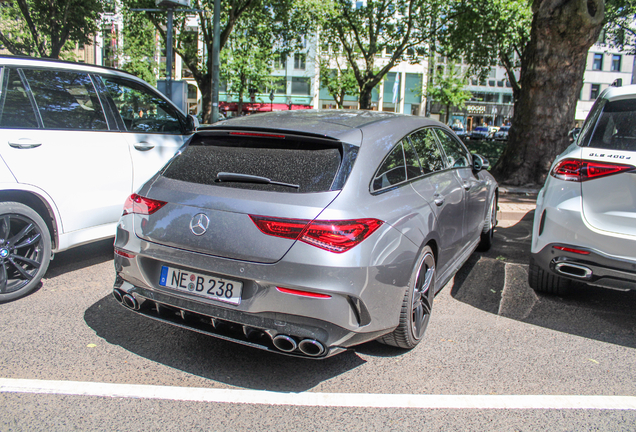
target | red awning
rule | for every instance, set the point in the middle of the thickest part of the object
(260, 107)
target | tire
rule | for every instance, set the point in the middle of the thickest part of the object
(25, 250)
(416, 306)
(546, 282)
(490, 223)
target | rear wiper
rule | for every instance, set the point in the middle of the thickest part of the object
(247, 178)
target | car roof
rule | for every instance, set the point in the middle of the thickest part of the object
(9, 60)
(329, 123)
(617, 93)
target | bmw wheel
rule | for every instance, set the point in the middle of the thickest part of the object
(25, 250)
(416, 306)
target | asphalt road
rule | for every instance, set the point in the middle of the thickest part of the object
(489, 335)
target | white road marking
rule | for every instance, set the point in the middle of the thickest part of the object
(360, 400)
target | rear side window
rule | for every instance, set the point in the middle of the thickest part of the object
(392, 171)
(16, 110)
(66, 100)
(309, 165)
(616, 127)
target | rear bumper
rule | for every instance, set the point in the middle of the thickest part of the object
(594, 268)
(253, 330)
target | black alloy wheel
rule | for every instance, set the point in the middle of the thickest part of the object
(25, 250)
(416, 306)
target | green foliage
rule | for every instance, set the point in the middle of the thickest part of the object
(620, 27)
(283, 21)
(486, 33)
(246, 62)
(47, 28)
(339, 80)
(398, 28)
(139, 48)
(448, 88)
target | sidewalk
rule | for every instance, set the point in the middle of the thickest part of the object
(515, 203)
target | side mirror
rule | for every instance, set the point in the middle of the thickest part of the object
(192, 124)
(480, 163)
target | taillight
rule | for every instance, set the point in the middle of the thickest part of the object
(579, 170)
(141, 205)
(333, 236)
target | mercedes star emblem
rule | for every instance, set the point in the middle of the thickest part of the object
(199, 224)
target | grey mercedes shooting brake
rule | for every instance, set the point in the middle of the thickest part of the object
(305, 232)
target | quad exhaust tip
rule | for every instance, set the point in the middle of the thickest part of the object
(311, 347)
(285, 343)
(130, 302)
(119, 296)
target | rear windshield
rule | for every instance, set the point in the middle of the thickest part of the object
(616, 127)
(309, 165)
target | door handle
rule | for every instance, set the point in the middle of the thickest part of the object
(438, 199)
(24, 143)
(144, 146)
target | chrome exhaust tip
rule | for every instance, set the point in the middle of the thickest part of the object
(311, 347)
(119, 295)
(285, 343)
(130, 302)
(573, 270)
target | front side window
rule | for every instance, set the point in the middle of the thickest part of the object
(66, 100)
(16, 110)
(456, 155)
(428, 151)
(143, 110)
(392, 171)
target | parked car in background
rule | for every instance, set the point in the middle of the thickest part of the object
(305, 232)
(459, 130)
(75, 141)
(585, 221)
(502, 133)
(480, 132)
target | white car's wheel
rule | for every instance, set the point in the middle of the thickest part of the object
(25, 250)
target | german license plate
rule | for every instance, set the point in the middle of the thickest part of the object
(211, 287)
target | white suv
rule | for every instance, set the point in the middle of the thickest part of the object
(75, 141)
(585, 221)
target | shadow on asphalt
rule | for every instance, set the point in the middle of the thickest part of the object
(80, 257)
(209, 357)
(595, 313)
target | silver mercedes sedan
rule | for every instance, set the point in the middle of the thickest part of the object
(305, 232)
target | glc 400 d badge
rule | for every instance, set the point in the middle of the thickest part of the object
(199, 224)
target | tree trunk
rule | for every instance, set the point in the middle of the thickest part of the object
(205, 86)
(366, 94)
(551, 79)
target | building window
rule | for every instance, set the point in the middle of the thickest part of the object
(491, 83)
(301, 86)
(280, 62)
(507, 98)
(616, 63)
(597, 64)
(596, 88)
(299, 61)
(500, 83)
